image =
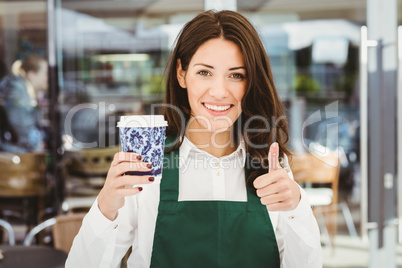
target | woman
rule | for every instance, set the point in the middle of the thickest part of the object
(19, 93)
(202, 213)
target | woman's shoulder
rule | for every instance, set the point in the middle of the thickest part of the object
(10, 82)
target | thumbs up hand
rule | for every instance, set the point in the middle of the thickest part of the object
(276, 189)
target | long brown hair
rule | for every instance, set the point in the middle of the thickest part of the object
(260, 103)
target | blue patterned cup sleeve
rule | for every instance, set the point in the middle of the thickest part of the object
(148, 142)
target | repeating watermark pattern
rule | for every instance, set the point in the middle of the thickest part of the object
(103, 112)
(269, 126)
(320, 151)
(331, 111)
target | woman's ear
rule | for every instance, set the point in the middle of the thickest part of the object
(181, 74)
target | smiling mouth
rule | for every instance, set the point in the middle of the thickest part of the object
(217, 108)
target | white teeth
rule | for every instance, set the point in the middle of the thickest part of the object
(217, 108)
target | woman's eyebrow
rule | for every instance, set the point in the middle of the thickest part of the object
(209, 66)
(203, 64)
(235, 68)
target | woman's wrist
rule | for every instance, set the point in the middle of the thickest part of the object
(110, 214)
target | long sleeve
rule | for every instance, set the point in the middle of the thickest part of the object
(300, 235)
(297, 233)
(101, 242)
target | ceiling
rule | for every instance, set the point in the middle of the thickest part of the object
(354, 10)
(347, 9)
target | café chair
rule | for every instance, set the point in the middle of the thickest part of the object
(86, 169)
(318, 174)
(10, 231)
(23, 174)
(22, 184)
(64, 229)
(85, 173)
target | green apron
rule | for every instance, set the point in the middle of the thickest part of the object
(210, 234)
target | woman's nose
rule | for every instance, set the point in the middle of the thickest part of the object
(218, 88)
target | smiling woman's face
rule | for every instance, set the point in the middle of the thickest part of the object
(215, 81)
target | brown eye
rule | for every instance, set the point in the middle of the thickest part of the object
(237, 76)
(203, 73)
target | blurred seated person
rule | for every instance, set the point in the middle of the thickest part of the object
(19, 96)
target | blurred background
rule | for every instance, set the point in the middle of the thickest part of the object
(106, 58)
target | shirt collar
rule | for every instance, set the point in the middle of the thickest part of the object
(187, 146)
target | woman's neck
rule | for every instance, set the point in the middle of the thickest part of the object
(216, 144)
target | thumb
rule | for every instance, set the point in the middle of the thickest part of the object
(273, 157)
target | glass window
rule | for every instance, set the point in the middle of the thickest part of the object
(24, 124)
(111, 61)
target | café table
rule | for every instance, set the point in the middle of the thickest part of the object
(35, 256)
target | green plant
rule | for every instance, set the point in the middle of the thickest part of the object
(306, 84)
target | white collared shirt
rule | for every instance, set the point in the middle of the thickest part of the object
(213, 178)
(103, 243)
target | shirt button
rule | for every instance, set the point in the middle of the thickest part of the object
(216, 164)
(115, 227)
(218, 173)
(291, 217)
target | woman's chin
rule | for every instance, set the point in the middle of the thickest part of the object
(209, 125)
(220, 129)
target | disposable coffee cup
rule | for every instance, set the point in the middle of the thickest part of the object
(144, 135)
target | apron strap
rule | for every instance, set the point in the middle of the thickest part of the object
(170, 185)
(170, 177)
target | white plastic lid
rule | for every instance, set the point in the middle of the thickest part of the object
(142, 121)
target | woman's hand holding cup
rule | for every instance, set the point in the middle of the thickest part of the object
(118, 184)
